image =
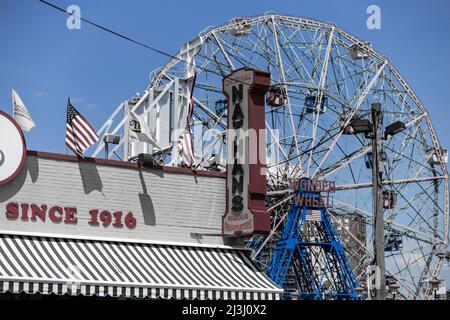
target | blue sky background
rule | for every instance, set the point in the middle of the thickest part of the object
(45, 62)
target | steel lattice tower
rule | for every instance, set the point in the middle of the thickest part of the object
(310, 252)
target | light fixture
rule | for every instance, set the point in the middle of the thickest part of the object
(361, 126)
(434, 282)
(212, 160)
(394, 128)
(145, 160)
(110, 138)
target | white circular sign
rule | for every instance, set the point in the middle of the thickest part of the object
(12, 148)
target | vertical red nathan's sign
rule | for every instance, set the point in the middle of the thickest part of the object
(246, 213)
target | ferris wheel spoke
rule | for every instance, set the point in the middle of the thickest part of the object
(423, 192)
(351, 209)
(255, 46)
(305, 56)
(298, 61)
(413, 260)
(321, 88)
(205, 66)
(308, 56)
(209, 112)
(412, 281)
(223, 69)
(239, 56)
(277, 141)
(361, 99)
(426, 257)
(340, 70)
(396, 161)
(403, 94)
(432, 200)
(405, 208)
(370, 254)
(410, 159)
(246, 59)
(274, 228)
(418, 214)
(283, 78)
(343, 162)
(268, 52)
(224, 53)
(294, 59)
(387, 182)
(349, 73)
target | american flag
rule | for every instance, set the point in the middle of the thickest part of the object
(79, 133)
(184, 146)
(313, 215)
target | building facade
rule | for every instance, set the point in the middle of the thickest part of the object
(352, 231)
(110, 228)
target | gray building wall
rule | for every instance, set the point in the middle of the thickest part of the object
(169, 206)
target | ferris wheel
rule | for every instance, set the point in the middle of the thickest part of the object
(324, 84)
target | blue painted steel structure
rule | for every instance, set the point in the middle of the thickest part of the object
(318, 262)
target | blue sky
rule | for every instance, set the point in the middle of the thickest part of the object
(45, 62)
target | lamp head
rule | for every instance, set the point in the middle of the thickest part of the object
(394, 128)
(110, 138)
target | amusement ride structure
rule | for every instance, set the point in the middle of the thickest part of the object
(310, 247)
(336, 110)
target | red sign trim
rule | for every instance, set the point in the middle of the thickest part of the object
(257, 183)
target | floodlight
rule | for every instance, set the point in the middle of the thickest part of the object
(394, 128)
(145, 160)
(361, 126)
(110, 138)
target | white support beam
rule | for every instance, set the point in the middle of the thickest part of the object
(321, 88)
(344, 162)
(400, 281)
(225, 54)
(387, 182)
(274, 229)
(122, 122)
(283, 79)
(277, 141)
(416, 119)
(208, 111)
(368, 216)
(361, 99)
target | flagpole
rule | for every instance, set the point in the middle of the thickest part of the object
(68, 104)
(12, 98)
(80, 134)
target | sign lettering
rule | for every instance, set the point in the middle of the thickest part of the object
(67, 215)
(309, 192)
(246, 214)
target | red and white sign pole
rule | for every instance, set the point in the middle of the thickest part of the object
(246, 213)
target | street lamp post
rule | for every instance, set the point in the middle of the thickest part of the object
(377, 204)
(373, 132)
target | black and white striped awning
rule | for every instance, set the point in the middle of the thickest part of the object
(65, 266)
